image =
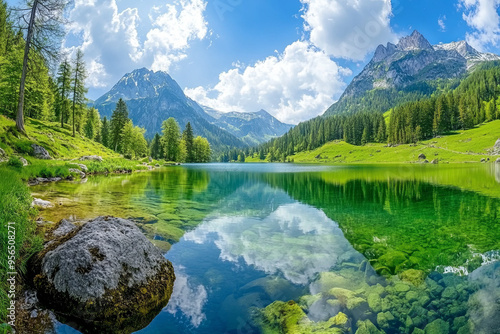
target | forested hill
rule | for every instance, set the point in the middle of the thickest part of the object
(153, 97)
(433, 89)
(475, 100)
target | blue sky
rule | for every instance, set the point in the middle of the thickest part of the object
(291, 57)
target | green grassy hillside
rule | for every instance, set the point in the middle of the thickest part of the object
(464, 146)
(58, 141)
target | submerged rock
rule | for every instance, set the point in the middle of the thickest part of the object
(40, 203)
(40, 152)
(104, 275)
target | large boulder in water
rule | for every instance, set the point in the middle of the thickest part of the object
(104, 277)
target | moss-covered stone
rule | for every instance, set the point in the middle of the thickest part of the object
(401, 287)
(385, 319)
(374, 302)
(438, 326)
(411, 296)
(413, 276)
(367, 327)
(450, 293)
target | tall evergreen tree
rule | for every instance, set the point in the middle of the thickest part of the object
(64, 85)
(44, 29)
(156, 150)
(105, 132)
(188, 138)
(79, 90)
(119, 119)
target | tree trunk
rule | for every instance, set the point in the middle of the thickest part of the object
(20, 106)
(74, 100)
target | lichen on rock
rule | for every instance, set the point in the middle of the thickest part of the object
(104, 275)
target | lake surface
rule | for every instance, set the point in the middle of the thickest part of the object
(401, 248)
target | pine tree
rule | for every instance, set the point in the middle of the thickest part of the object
(156, 150)
(44, 28)
(171, 139)
(64, 85)
(126, 140)
(119, 119)
(105, 132)
(79, 90)
(92, 125)
(188, 138)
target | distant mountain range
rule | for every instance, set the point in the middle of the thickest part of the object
(153, 97)
(253, 128)
(407, 71)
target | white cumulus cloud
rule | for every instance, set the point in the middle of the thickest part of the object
(349, 29)
(482, 16)
(112, 43)
(293, 86)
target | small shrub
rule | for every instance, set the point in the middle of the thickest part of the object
(15, 162)
(23, 147)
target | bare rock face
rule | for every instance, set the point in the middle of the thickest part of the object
(105, 276)
(40, 153)
(422, 156)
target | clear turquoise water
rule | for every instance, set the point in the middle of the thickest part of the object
(241, 237)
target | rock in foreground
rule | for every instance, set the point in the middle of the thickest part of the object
(105, 276)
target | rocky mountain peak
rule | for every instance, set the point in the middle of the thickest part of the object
(141, 83)
(416, 41)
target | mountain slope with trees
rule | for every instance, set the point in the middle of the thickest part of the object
(418, 110)
(153, 97)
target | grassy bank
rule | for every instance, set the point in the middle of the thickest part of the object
(460, 147)
(15, 206)
(15, 197)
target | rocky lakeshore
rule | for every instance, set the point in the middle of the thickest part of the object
(100, 276)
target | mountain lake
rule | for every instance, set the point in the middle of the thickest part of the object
(401, 247)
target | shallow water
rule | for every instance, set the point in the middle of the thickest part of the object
(334, 239)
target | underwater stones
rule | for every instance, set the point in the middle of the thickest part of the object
(348, 299)
(401, 287)
(434, 288)
(306, 301)
(449, 293)
(367, 327)
(411, 296)
(374, 302)
(40, 203)
(40, 152)
(438, 326)
(330, 280)
(385, 319)
(413, 276)
(391, 260)
(104, 275)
